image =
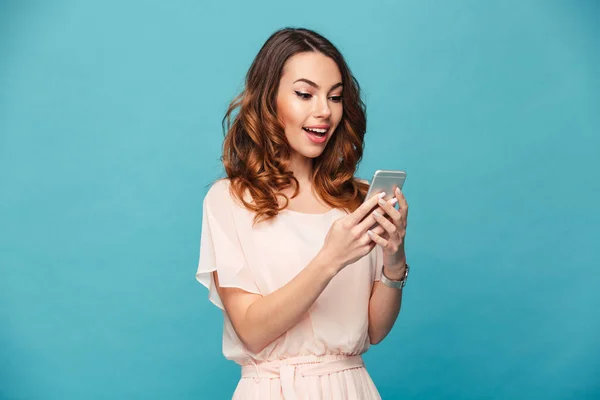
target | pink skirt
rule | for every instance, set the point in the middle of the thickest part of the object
(331, 377)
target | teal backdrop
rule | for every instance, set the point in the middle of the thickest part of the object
(110, 132)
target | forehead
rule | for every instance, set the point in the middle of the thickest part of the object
(311, 65)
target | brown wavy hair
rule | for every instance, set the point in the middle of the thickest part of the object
(256, 153)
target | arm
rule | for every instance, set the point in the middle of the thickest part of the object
(279, 311)
(384, 305)
(385, 302)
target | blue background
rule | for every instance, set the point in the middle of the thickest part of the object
(110, 133)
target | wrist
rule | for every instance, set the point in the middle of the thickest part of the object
(397, 269)
(395, 262)
(329, 264)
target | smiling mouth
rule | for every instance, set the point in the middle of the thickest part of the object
(318, 132)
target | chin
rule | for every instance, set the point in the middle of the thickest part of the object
(311, 153)
(309, 150)
(314, 153)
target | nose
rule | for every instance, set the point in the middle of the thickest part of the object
(322, 109)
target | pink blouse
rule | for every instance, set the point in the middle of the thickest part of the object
(263, 258)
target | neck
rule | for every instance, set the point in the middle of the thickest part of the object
(302, 168)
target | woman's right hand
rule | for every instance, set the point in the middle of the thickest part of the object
(347, 240)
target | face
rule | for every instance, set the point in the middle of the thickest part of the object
(309, 102)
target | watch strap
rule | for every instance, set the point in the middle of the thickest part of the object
(393, 283)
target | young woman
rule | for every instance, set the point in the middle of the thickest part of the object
(287, 236)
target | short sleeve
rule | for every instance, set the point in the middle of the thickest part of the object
(220, 248)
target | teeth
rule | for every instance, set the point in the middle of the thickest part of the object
(320, 131)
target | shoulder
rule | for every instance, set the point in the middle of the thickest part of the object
(218, 188)
(218, 194)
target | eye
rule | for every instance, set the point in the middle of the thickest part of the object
(303, 96)
(336, 99)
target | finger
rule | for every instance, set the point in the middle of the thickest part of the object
(403, 204)
(364, 209)
(366, 239)
(390, 210)
(377, 239)
(401, 199)
(385, 223)
(378, 229)
(369, 221)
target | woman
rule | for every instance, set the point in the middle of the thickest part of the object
(286, 247)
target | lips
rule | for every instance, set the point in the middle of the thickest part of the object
(314, 137)
(318, 127)
(318, 130)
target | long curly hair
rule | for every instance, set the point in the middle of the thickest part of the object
(256, 153)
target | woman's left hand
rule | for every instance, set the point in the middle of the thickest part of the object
(392, 241)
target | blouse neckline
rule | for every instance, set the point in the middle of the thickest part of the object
(308, 215)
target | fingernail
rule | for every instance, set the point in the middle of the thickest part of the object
(398, 190)
(369, 233)
(382, 202)
(381, 195)
(393, 201)
(375, 213)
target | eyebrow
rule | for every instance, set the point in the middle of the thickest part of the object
(311, 83)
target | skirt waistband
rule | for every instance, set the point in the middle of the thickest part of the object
(303, 365)
(291, 371)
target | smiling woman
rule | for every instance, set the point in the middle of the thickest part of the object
(287, 237)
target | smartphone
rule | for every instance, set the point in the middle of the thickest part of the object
(386, 181)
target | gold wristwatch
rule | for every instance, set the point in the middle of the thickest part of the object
(392, 283)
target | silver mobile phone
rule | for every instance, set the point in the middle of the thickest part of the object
(386, 181)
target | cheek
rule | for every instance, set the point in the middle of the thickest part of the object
(336, 114)
(291, 112)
